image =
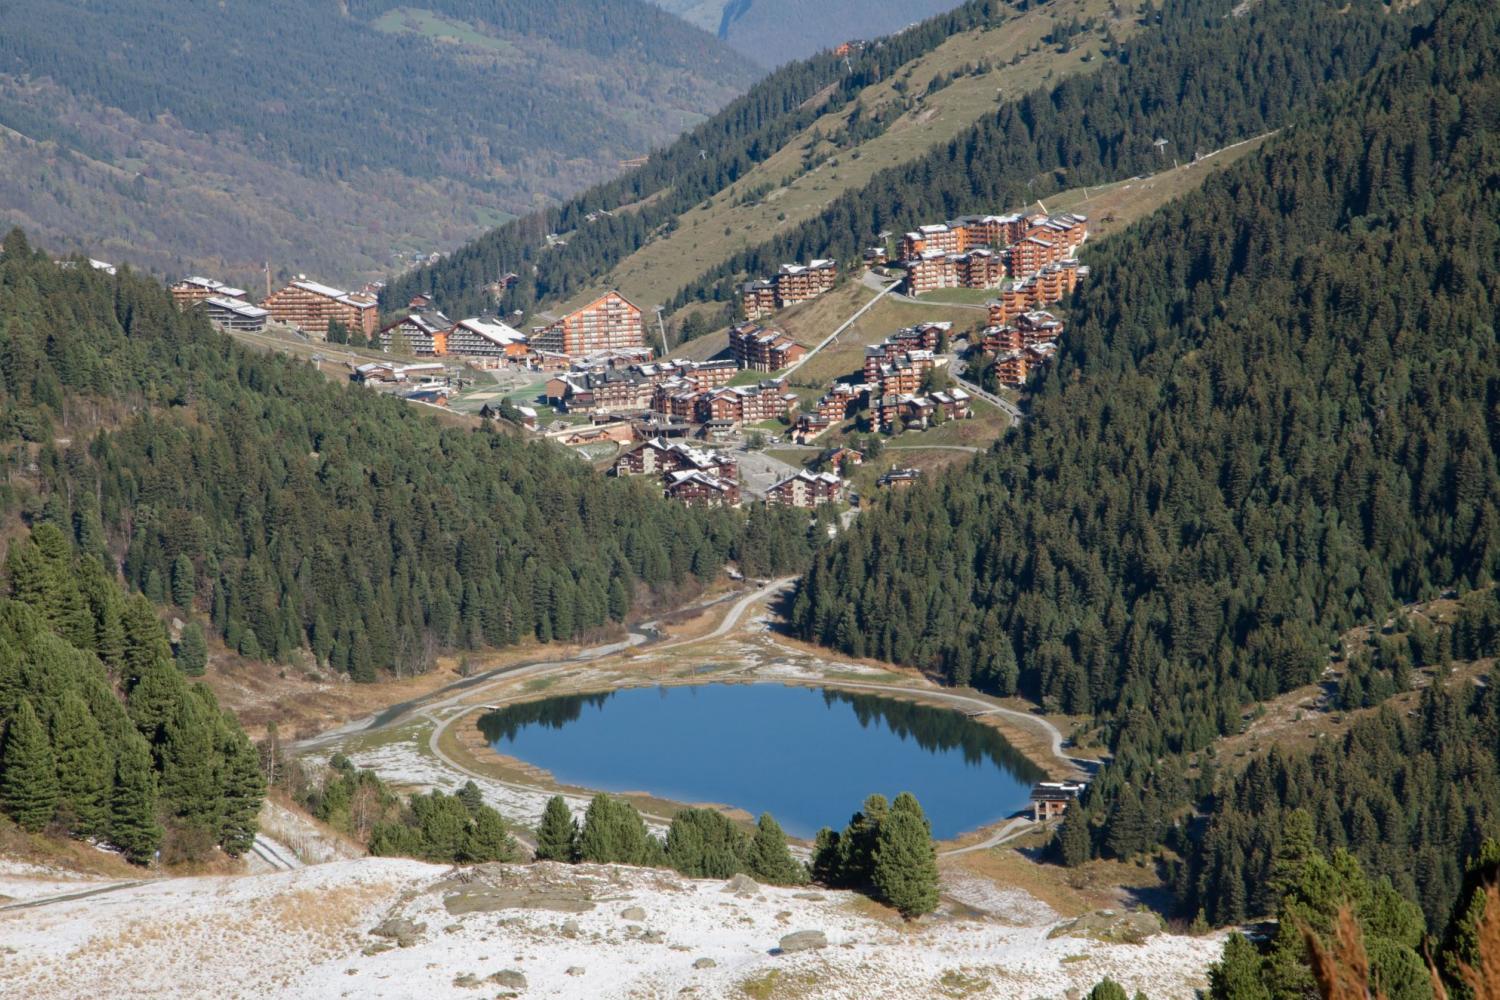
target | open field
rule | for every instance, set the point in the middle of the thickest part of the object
(1115, 206)
(809, 172)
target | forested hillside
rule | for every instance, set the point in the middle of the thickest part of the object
(103, 738)
(298, 513)
(1199, 78)
(173, 134)
(1271, 418)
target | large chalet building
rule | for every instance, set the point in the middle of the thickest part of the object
(806, 489)
(763, 349)
(610, 322)
(192, 290)
(311, 307)
(701, 489)
(424, 335)
(234, 314)
(486, 341)
(657, 457)
(792, 283)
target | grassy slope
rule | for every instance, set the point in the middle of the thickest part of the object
(658, 269)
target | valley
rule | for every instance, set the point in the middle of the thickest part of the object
(1009, 507)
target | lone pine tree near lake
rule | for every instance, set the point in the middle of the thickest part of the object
(623, 499)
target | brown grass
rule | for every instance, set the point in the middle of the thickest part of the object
(1342, 967)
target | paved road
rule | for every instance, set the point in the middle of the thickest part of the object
(31, 904)
(956, 372)
(1008, 832)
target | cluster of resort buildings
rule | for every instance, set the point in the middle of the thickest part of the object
(982, 251)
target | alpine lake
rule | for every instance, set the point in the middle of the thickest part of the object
(809, 756)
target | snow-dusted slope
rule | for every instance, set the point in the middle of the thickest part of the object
(586, 931)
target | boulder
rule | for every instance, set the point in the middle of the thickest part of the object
(509, 978)
(575, 970)
(741, 885)
(633, 913)
(803, 941)
(705, 963)
(570, 929)
(404, 932)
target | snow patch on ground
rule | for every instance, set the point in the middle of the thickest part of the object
(305, 934)
(1013, 906)
(22, 880)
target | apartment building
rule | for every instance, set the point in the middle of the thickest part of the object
(234, 314)
(657, 457)
(486, 340)
(190, 291)
(791, 284)
(424, 335)
(311, 307)
(806, 490)
(763, 349)
(610, 322)
(701, 489)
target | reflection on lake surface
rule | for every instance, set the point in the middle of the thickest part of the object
(809, 756)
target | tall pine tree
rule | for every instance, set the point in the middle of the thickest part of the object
(28, 771)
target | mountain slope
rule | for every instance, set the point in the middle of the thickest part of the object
(1202, 77)
(310, 517)
(489, 106)
(1271, 419)
(773, 32)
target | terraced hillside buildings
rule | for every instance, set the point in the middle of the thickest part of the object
(791, 284)
(311, 307)
(609, 323)
(982, 251)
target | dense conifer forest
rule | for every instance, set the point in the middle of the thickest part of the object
(299, 514)
(102, 736)
(1271, 419)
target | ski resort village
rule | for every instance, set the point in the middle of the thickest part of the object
(806, 397)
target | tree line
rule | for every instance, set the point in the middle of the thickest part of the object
(103, 738)
(886, 851)
(300, 515)
(1240, 452)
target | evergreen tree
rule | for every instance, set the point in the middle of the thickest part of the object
(557, 836)
(85, 767)
(857, 843)
(1108, 989)
(132, 826)
(1236, 976)
(905, 872)
(184, 582)
(155, 697)
(243, 786)
(826, 857)
(192, 650)
(614, 833)
(28, 771)
(1074, 844)
(471, 797)
(1461, 939)
(488, 838)
(189, 787)
(704, 843)
(768, 859)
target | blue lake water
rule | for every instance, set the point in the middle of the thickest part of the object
(808, 756)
